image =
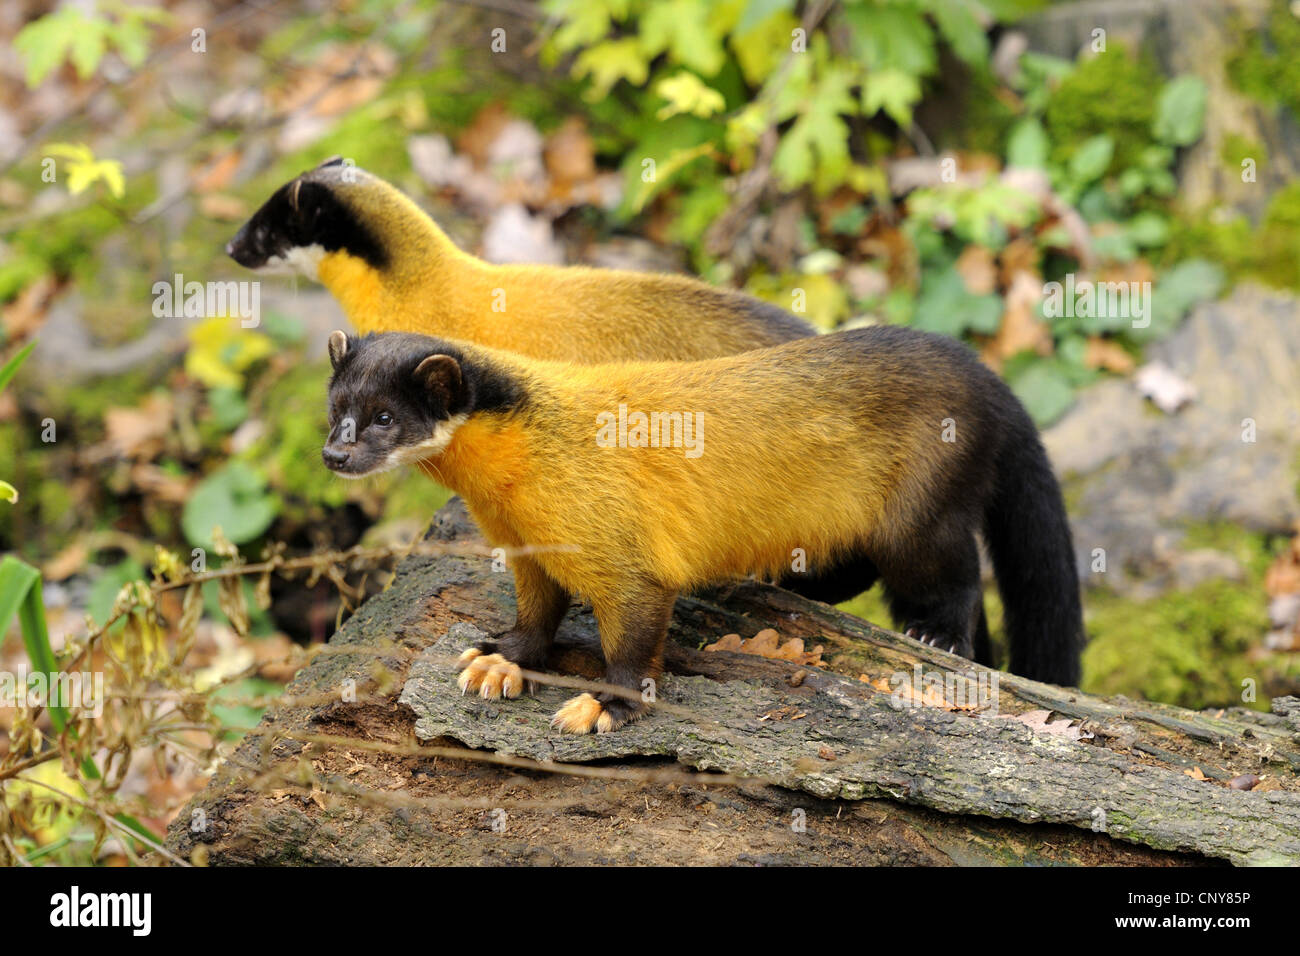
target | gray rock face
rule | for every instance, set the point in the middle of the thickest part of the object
(1135, 477)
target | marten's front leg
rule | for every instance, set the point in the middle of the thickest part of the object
(494, 668)
(633, 626)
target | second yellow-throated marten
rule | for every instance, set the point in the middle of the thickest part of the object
(637, 481)
(393, 270)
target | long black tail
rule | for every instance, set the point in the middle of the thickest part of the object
(1033, 557)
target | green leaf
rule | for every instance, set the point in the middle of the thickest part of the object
(892, 90)
(235, 498)
(1178, 289)
(131, 40)
(1091, 160)
(1148, 229)
(757, 11)
(8, 492)
(1045, 391)
(687, 93)
(11, 367)
(87, 49)
(1115, 246)
(947, 307)
(607, 63)
(681, 28)
(104, 592)
(229, 410)
(1027, 145)
(1180, 111)
(20, 592)
(962, 29)
(885, 36)
(45, 41)
(239, 718)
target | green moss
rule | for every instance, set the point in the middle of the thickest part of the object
(1269, 252)
(984, 119)
(1111, 93)
(1186, 647)
(1194, 647)
(870, 606)
(82, 407)
(1237, 147)
(1264, 65)
(1251, 549)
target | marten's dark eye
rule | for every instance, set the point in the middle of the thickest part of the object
(383, 419)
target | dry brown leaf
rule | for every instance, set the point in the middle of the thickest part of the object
(344, 78)
(24, 315)
(767, 643)
(1136, 271)
(222, 206)
(1283, 575)
(1195, 774)
(929, 696)
(1109, 355)
(1019, 255)
(1037, 720)
(1022, 328)
(476, 140)
(66, 563)
(570, 154)
(217, 173)
(138, 432)
(977, 270)
(160, 484)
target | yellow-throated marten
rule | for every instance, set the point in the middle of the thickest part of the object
(888, 444)
(393, 270)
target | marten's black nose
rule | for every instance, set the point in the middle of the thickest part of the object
(333, 457)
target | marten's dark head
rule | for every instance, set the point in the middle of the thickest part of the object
(396, 398)
(306, 218)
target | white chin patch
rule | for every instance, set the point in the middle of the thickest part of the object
(353, 476)
(433, 445)
(409, 454)
(298, 261)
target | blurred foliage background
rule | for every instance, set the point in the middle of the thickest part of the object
(906, 161)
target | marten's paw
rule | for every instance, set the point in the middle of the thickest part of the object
(490, 674)
(586, 714)
(944, 640)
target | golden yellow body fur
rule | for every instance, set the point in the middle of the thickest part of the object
(619, 517)
(565, 313)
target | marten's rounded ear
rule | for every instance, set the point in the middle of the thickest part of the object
(440, 374)
(332, 161)
(338, 348)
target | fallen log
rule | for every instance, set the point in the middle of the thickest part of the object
(879, 757)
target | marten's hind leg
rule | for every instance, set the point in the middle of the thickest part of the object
(495, 668)
(632, 634)
(934, 589)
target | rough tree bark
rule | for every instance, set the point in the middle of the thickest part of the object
(833, 770)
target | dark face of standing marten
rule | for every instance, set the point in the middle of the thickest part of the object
(302, 221)
(393, 399)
